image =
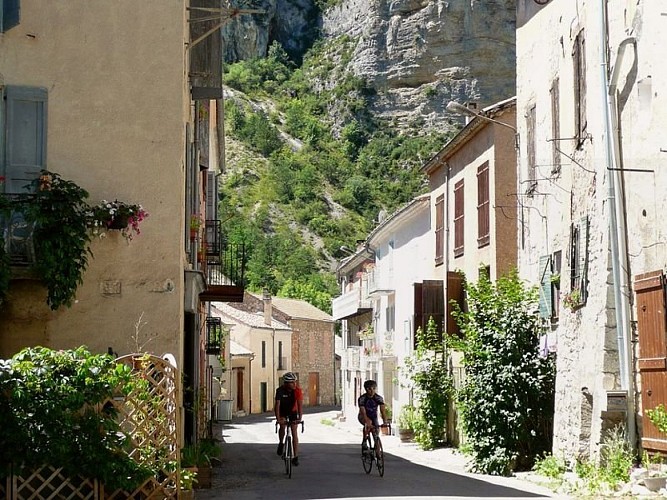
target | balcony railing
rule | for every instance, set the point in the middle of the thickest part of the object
(213, 237)
(213, 335)
(225, 274)
(379, 282)
(351, 303)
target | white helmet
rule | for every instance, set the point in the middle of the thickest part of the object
(289, 377)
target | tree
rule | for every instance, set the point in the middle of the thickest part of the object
(507, 398)
(429, 378)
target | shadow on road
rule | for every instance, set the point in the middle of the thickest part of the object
(334, 471)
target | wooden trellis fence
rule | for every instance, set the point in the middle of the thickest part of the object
(151, 424)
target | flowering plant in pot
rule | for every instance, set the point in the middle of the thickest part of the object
(120, 215)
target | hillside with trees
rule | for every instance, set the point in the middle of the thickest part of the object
(309, 167)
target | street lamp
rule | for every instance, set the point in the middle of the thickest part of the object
(460, 109)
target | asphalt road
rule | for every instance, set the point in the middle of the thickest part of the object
(330, 467)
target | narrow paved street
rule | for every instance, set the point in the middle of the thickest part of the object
(330, 467)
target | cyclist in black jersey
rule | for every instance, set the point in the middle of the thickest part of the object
(369, 404)
(288, 409)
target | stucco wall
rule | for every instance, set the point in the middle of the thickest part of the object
(313, 352)
(117, 105)
(587, 352)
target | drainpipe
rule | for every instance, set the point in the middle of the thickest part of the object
(617, 224)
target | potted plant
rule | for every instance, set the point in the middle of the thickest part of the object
(195, 224)
(187, 480)
(118, 215)
(407, 420)
(388, 414)
(657, 471)
(572, 300)
(199, 457)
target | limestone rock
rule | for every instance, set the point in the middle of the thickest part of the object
(417, 54)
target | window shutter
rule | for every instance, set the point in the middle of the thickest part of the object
(545, 287)
(582, 254)
(483, 205)
(25, 135)
(419, 312)
(454, 293)
(555, 127)
(211, 196)
(434, 304)
(459, 236)
(439, 228)
(9, 14)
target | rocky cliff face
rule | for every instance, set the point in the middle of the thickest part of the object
(293, 23)
(417, 54)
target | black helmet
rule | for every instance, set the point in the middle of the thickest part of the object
(289, 377)
(370, 383)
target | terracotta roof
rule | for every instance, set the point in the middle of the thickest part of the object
(254, 320)
(298, 309)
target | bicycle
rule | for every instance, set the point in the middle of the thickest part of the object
(288, 448)
(374, 451)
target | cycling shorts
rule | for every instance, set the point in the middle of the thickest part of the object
(376, 424)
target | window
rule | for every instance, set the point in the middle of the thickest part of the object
(579, 61)
(545, 287)
(263, 354)
(555, 285)
(281, 361)
(429, 302)
(531, 117)
(439, 228)
(390, 312)
(555, 127)
(455, 293)
(483, 205)
(458, 219)
(579, 259)
(24, 121)
(9, 14)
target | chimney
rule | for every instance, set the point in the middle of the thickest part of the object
(266, 297)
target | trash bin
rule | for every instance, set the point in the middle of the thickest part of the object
(224, 410)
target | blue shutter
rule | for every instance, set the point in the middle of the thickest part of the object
(545, 287)
(25, 136)
(9, 15)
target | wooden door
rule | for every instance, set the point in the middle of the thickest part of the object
(313, 388)
(652, 329)
(239, 390)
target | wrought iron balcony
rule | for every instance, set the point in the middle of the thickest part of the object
(225, 274)
(213, 335)
(213, 238)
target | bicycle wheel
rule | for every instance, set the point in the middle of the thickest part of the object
(367, 457)
(379, 456)
(288, 456)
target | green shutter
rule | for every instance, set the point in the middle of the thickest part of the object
(25, 148)
(545, 287)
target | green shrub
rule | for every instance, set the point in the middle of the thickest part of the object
(428, 376)
(49, 412)
(550, 466)
(507, 399)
